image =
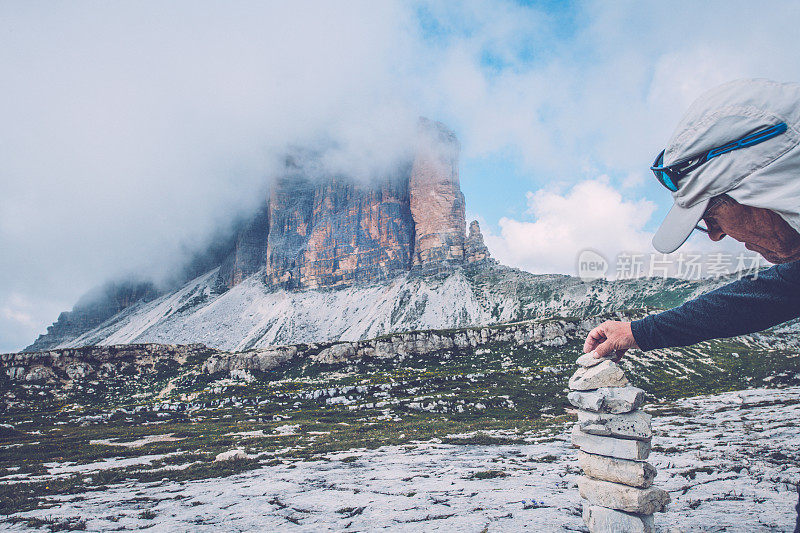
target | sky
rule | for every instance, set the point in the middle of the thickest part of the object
(132, 132)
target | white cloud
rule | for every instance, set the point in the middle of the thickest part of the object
(18, 319)
(131, 130)
(611, 92)
(591, 214)
(21, 318)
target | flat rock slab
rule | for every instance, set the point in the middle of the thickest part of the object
(634, 450)
(633, 473)
(608, 400)
(588, 360)
(231, 455)
(635, 425)
(622, 497)
(604, 374)
(604, 520)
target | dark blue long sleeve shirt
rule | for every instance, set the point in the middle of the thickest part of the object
(744, 306)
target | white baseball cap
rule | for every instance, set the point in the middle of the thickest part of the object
(765, 175)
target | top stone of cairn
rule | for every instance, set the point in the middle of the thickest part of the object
(590, 359)
(606, 373)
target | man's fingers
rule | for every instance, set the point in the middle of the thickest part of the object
(609, 339)
(595, 337)
(598, 333)
(603, 349)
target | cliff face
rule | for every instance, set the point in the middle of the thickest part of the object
(437, 204)
(325, 231)
(248, 253)
(359, 233)
(337, 232)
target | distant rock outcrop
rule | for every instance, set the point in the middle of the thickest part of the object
(62, 366)
(475, 249)
(92, 310)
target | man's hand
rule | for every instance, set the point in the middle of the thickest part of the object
(610, 339)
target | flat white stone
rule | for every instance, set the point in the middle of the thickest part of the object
(608, 400)
(588, 360)
(231, 455)
(634, 450)
(623, 497)
(633, 473)
(605, 374)
(604, 520)
(635, 425)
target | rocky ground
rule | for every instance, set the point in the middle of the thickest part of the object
(729, 461)
(333, 434)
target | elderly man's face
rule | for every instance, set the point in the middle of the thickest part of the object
(761, 230)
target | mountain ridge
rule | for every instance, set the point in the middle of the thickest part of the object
(254, 314)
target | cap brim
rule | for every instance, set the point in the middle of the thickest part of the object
(677, 226)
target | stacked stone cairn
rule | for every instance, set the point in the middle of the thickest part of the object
(613, 436)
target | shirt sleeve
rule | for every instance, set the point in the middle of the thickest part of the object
(745, 306)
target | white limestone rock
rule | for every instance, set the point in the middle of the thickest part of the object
(608, 399)
(39, 374)
(635, 425)
(604, 374)
(604, 520)
(622, 497)
(231, 455)
(588, 360)
(634, 450)
(634, 473)
(78, 370)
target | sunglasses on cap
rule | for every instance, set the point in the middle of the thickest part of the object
(669, 176)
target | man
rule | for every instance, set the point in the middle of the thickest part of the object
(734, 162)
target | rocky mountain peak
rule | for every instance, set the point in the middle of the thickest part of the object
(326, 231)
(320, 230)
